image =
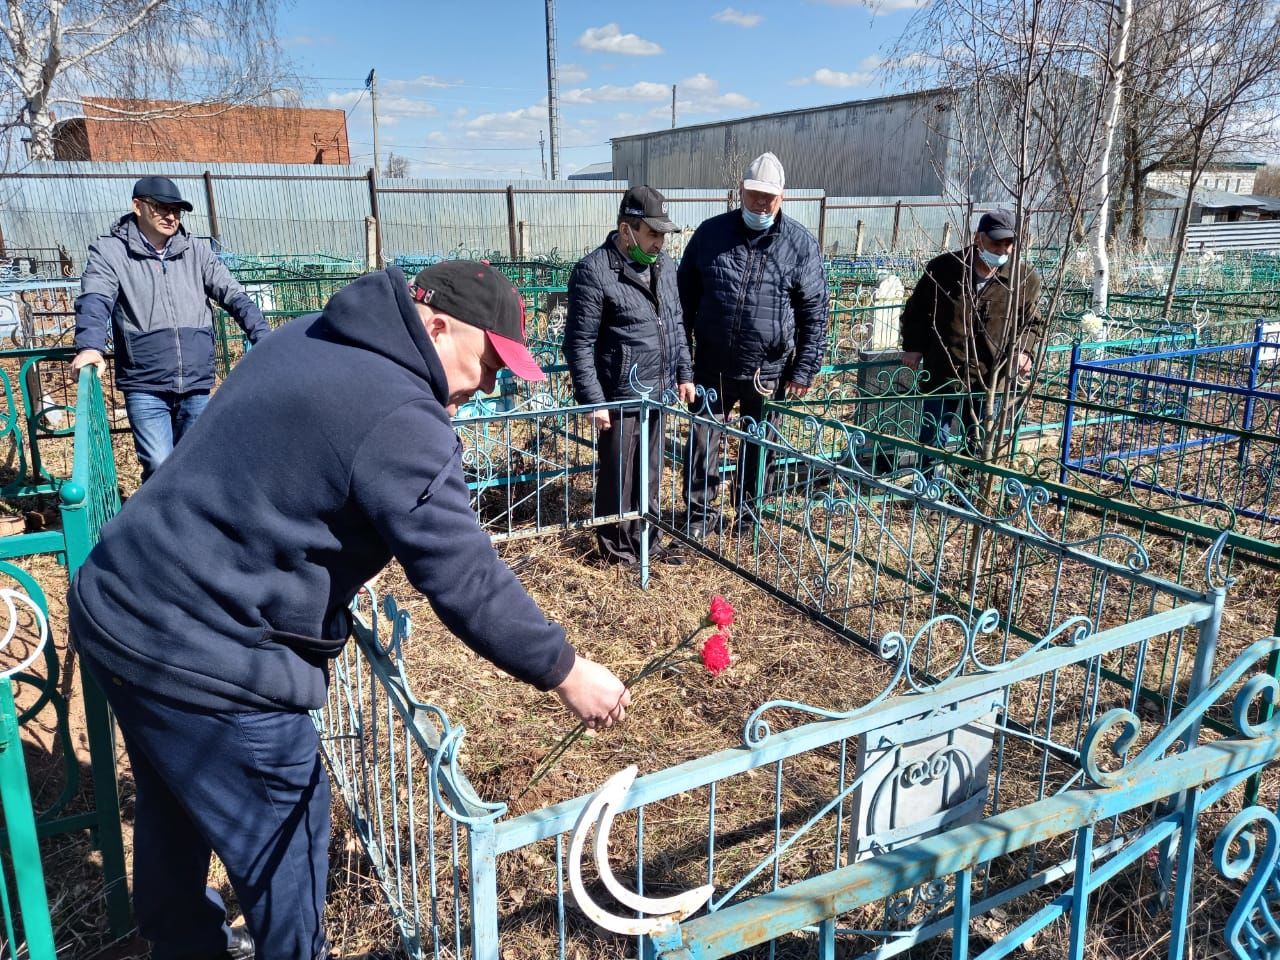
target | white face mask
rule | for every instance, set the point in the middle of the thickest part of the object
(993, 260)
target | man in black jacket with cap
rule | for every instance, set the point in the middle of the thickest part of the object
(971, 325)
(211, 608)
(624, 335)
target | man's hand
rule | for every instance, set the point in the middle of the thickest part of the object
(796, 390)
(86, 357)
(1024, 365)
(688, 392)
(594, 694)
(600, 420)
(911, 359)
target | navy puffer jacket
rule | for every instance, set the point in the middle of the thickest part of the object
(617, 322)
(752, 300)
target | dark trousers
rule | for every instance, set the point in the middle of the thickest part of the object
(248, 786)
(702, 455)
(618, 483)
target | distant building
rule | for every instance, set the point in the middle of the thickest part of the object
(166, 131)
(594, 171)
(888, 146)
(1230, 176)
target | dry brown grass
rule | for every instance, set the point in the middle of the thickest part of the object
(779, 653)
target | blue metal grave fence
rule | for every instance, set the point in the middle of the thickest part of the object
(1200, 425)
(1008, 659)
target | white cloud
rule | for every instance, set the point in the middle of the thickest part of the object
(879, 7)
(572, 73)
(640, 91)
(611, 39)
(826, 77)
(701, 94)
(423, 82)
(523, 124)
(737, 17)
(388, 106)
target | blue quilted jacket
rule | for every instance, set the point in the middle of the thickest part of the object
(754, 302)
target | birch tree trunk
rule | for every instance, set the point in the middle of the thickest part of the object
(1115, 77)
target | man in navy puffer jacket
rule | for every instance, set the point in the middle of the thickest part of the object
(214, 602)
(148, 283)
(755, 306)
(624, 336)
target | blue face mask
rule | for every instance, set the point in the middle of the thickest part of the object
(993, 260)
(757, 221)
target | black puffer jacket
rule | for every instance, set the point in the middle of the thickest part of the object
(751, 300)
(616, 322)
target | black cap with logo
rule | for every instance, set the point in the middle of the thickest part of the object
(480, 296)
(650, 206)
(998, 225)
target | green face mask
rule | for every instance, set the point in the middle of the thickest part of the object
(637, 253)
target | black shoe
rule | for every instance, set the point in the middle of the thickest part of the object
(667, 556)
(706, 526)
(240, 947)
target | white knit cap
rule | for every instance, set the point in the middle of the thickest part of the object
(764, 174)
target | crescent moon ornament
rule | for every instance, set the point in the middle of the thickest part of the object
(661, 912)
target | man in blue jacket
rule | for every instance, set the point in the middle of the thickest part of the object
(755, 306)
(215, 600)
(148, 283)
(624, 336)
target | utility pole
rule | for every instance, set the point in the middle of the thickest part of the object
(553, 97)
(371, 82)
(542, 152)
(673, 106)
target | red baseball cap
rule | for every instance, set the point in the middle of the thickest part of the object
(481, 296)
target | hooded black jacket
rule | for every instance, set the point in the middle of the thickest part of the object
(225, 580)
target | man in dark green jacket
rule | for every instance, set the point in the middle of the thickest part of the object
(971, 327)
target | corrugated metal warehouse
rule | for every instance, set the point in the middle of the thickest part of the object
(885, 147)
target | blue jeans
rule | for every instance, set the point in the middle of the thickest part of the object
(158, 421)
(247, 785)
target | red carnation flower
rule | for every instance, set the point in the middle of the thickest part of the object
(715, 654)
(721, 614)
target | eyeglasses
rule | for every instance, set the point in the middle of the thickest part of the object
(164, 209)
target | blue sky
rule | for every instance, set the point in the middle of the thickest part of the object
(463, 86)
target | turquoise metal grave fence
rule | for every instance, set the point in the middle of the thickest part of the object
(973, 619)
(24, 906)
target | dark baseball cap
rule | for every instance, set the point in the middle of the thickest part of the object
(650, 206)
(998, 225)
(480, 296)
(161, 190)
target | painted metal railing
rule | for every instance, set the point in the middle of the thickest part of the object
(28, 931)
(988, 631)
(89, 500)
(1199, 425)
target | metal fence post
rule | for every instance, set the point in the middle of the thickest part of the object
(897, 225)
(20, 824)
(511, 222)
(373, 212)
(482, 864)
(212, 208)
(822, 223)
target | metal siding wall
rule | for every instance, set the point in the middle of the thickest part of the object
(254, 216)
(876, 147)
